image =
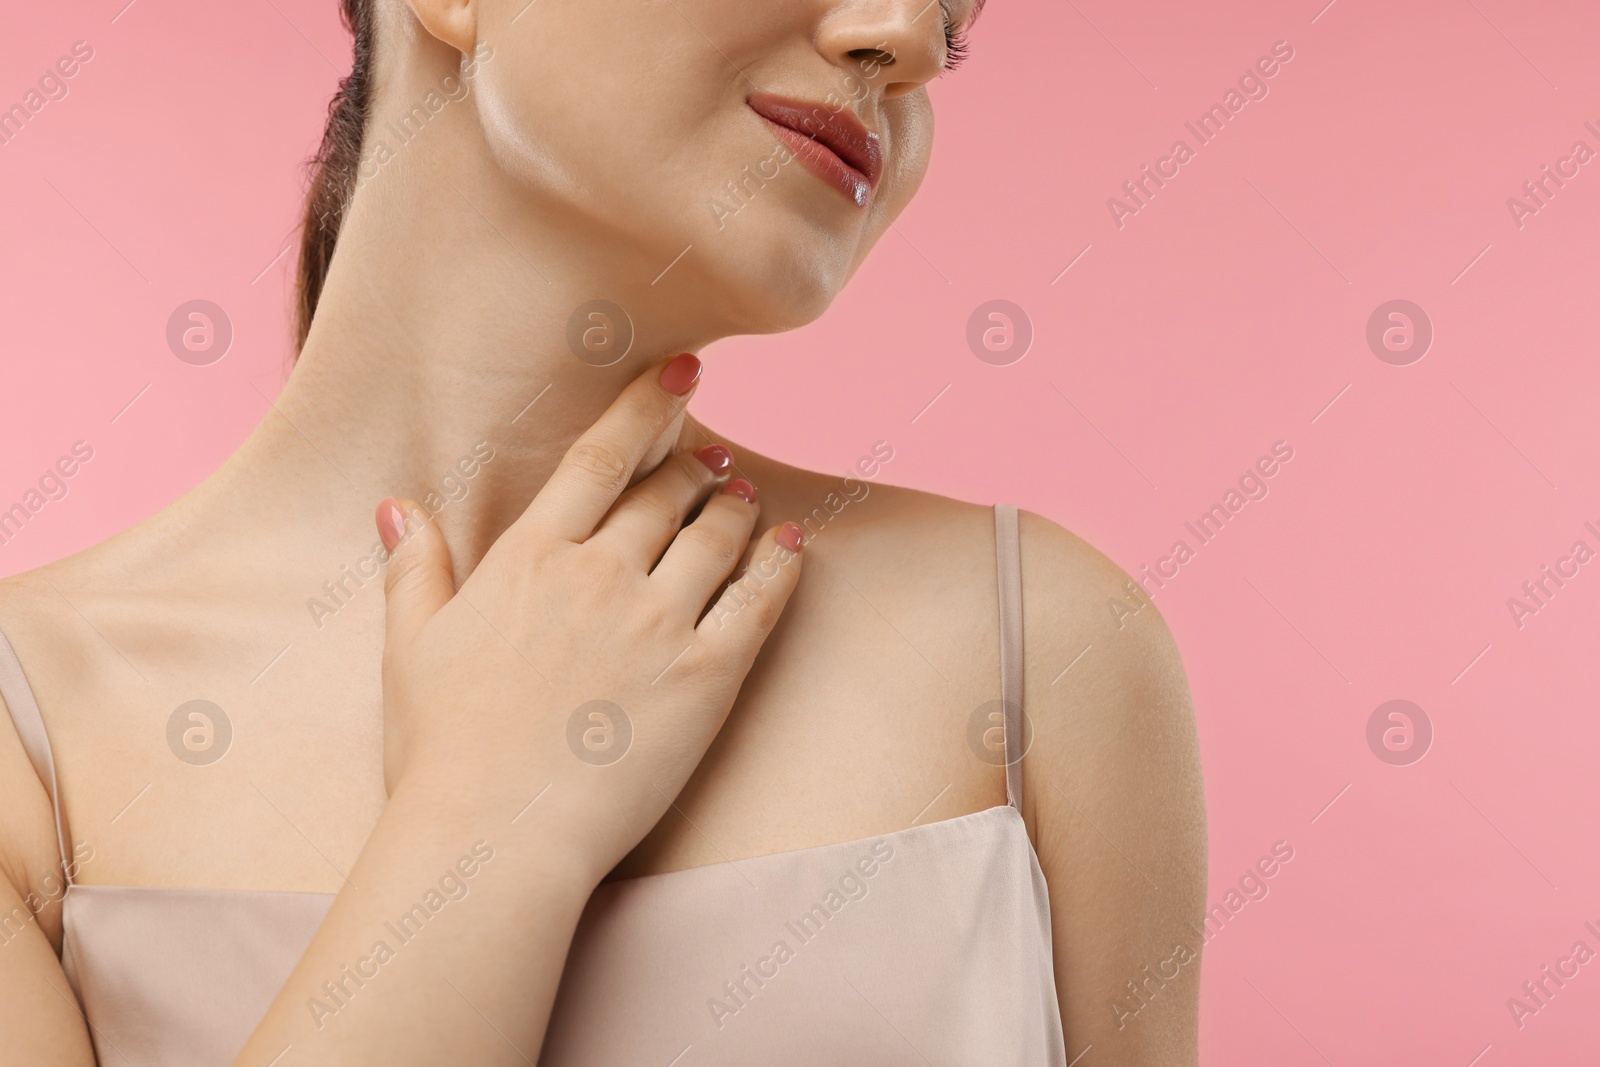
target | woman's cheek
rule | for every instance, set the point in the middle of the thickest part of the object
(910, 146)
(909, 125)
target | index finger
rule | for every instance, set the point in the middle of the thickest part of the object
(601, 462)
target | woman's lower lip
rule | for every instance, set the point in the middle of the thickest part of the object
(822, 161)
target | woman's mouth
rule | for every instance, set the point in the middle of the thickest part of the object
(831, 144)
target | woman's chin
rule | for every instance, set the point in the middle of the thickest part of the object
(781, 289)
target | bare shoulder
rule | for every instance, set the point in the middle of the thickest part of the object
(46, 615)
(1096, 647)
(29, 857)
(1100, 658)
(46, 630)
(1114, 802)
(1112, 790)
(1089, 631)
(1104, 684)
(1103, 678)
(32, 877)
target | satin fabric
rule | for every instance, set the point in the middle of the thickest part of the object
(927, 946)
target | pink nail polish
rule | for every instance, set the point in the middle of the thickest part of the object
(741, 489)
(789, 535)
(679, 376)
(715, 457)
(391, 523)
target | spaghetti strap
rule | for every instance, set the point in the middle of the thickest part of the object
(25, 716)
(1008, 560)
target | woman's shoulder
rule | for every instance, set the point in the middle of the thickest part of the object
(76, 631)
(33, 621)
(1097, 652)
(1112, 795)
(86, 618)
(46, 613)
(37, 618)
(1074, 595)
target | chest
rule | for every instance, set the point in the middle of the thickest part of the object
(271, 777)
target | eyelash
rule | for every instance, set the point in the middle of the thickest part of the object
(955, 42)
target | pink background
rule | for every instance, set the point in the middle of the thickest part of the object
(1226, 315)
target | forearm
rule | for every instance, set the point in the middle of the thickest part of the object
(446, 943)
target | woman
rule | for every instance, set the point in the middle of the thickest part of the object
(539, 798)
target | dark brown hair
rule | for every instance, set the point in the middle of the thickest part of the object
(333, 168)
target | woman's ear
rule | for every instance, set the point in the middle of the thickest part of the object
(455, 22)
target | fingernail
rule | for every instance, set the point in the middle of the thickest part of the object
(741, 489)
(391, 523)
(789, 535)
(716, 457)
(679, 376)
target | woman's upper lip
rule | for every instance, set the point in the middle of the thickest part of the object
(836, 129)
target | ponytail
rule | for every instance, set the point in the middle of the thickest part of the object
(333, 169)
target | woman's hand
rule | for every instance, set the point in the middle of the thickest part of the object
(595, 593)
(576, 654)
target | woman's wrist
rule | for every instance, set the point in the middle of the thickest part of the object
(552, 826)
(453, 873)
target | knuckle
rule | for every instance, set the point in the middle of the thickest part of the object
(764, 610)
(723, 548)
(750, 602)
(690, 472)
(603, 462)
(652, 406)
(534, 553)
(708, 664)
(599, 568)
(404, 575)
(656, 617)
(404, 584)
(659, 510)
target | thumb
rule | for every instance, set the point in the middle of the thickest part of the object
(418, 581)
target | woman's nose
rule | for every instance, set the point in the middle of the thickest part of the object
(896, 44)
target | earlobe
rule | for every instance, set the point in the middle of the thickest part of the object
(454, 22)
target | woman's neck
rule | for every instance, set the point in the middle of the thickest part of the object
(442, 332)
